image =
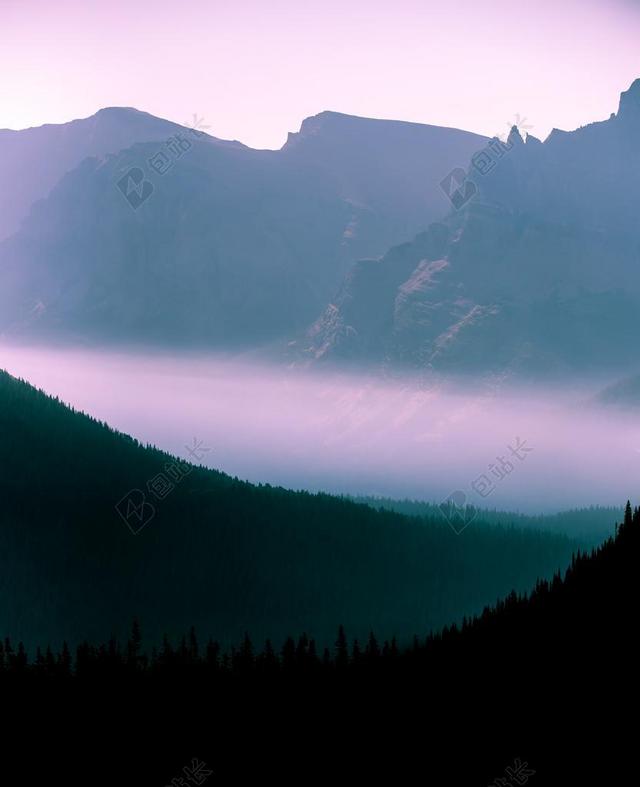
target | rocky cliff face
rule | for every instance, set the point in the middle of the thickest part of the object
(539, 270)
(225, 245)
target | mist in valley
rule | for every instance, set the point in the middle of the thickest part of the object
(534, 450)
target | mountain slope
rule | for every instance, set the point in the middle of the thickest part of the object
(537, 687)
(225, 244)
(590, 526)
(35, 159)
(538, 271)
(221, 554)
(388, 171)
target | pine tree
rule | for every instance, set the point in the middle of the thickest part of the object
(288, 654)
(50, 661)
(301, 650)
(213, 654)
(312, 655)
(166, 652)
(342, 649)
(21, 658)
(193, 645)
(373, 650)
(247, 660)
(64, 661)
(134, 644)
(268, 658)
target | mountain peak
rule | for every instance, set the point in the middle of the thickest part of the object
(515, 138)
(119, 111)
(630, 102)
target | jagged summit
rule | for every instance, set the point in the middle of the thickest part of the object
(515, 138)
(542, 247)
(630, 102)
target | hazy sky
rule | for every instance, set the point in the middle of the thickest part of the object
(253, 69)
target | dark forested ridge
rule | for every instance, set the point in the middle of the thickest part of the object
(220, 554)
(590, 598)
(531, 691)
(590, 525)
(583, 613)
(468, 704)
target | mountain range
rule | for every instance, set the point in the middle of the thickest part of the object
(535, 270)
(127, 228)
(360, 241)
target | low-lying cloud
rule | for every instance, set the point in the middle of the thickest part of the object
(354, 433)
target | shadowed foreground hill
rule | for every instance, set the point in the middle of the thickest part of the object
(537, 686)
(536, 691)
(220, 554)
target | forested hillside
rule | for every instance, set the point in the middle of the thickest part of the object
(589, 525)
(219, 554)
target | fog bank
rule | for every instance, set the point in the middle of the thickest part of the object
(528, 450)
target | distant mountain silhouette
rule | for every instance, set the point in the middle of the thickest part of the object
(536, 272)
(35, 159)
(197, 241)
(590, 526)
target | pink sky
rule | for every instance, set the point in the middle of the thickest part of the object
(253, 69)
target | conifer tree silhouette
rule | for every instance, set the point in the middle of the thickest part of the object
(342, 649)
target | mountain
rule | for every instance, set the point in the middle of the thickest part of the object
(388, 171)
(535, 270)
(35, 159)
(95, 528)
(189, 240)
